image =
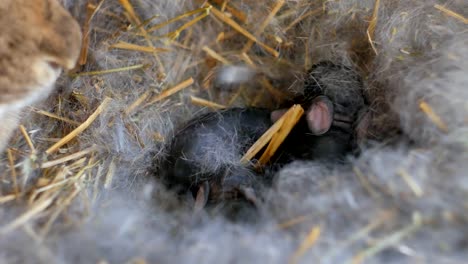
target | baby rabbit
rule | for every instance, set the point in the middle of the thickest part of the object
(205, 154)
(344, 87)
(38, 39)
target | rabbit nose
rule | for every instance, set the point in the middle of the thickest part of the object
(54, 65)
(59, 64)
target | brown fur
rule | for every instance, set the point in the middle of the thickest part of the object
(38, 38)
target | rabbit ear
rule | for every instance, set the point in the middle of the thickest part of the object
(319, 116)
(277, 114)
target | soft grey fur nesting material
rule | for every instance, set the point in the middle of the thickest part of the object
(370, 204)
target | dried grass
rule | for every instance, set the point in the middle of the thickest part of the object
(62, 173)
(66, 172)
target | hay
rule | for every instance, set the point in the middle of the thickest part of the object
(76, 183)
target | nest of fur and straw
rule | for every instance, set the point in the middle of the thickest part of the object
(54, 175)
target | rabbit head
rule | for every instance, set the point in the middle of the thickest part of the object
(38, 39)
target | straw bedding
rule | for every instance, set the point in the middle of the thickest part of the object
(77, 185)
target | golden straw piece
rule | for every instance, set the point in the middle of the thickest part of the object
(173, 35)
(221, 16)
(7, 198)
(215, 55)
(377, 221)
(138, 102)
(62, 205)
(308, 242)
(27, 138)
(427, 109)
(293, 113)
(304, 16)
(166, 93)
(452, 13)
(91, 11)
(177, 18)
(291, 119)
(232, 10)
(28, 215)
(54, 116)
(292, 222)
(414, 186)
(80, 128)
(131, 12)
(203, 102)
(372, 25)
(134, 47)
(134, 67)
(265, 23)
(110, 175)
(73, 156)
(136, 21)
(388, 241)
(11, 162)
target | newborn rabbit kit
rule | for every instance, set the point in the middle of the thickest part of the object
(207, 152)
(136, 155)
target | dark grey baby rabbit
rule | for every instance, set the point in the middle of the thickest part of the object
(204, 155)
(343, 120)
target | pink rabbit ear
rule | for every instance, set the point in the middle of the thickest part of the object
(277, 114)
(320, 115)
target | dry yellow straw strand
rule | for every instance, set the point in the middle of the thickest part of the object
(28, 215)
(27, 138)
(308, 242)
(232, 10)
(129, 46)
(177, 18)
(452, 13)
(13, 172)
(215, 55)
(171, 91)
(292, 222)
(377, 221)
(110, 175)
(414, 186)
(91, 11)
(279, 96)
(73, 156)
(62, 205)
(138, 102)
(175, 34)
(388, 241)
(427, 109)
(91, 73)
(270, 133)
(54, 116)
(290, 121)
(7, 198)
(129, 8)
(203, 102)
(136, 21)
(80, 128)
(265, 23)
(372, 25)
(304, 16)
(244, 32)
